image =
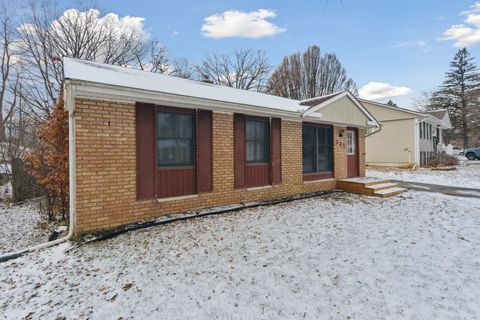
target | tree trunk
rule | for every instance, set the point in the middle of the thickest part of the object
(465, 129)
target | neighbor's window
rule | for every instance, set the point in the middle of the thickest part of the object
(351, 142)
(317, 148)
(258, 140)
(175, 139)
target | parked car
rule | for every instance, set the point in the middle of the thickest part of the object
(457, 151)
(472, 153)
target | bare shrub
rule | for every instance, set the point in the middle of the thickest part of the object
(441, 160)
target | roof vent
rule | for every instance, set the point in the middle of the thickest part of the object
(206, 79)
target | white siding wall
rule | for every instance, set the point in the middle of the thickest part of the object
(394, 145)
(344, 111)
(426, 142)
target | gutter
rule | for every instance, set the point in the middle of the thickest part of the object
(70, 107)
(373, 132)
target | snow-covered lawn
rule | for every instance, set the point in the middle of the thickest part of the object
(465, 176)
(19, 227)
(342, 256)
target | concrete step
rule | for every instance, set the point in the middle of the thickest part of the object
(390, 192)
(373, 183)
(370, 187)
(382, 186)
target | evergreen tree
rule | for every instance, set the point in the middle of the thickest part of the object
(459, 94)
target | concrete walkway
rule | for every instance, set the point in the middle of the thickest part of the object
(448, 190)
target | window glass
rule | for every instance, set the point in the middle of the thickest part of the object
(351, 142)
(257, 140)
(317, 149)
(175, 139)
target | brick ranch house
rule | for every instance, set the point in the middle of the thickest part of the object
(143, 145)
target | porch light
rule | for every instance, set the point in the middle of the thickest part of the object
(340, 134)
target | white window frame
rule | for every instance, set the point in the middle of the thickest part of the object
(351, 145)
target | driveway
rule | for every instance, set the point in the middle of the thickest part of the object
(448, 190)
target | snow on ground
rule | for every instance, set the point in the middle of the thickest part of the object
(342, 256)
(18, 227)
(465, 176)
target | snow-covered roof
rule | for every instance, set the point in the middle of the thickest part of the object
(318, 100)
(440, 118)
(438, 113)
(76, 69)
(395, 108)
(128, 78)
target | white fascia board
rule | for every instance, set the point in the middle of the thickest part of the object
(314, 119)
(315, 115)
(90, 90)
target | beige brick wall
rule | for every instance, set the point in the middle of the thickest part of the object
(106, 169)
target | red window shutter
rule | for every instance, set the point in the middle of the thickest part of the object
(145, 141)
(276, 149)
(204, 153)
(239, 150)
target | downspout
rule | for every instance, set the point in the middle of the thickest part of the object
(70, 107)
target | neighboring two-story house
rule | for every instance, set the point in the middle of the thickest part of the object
(406, 137)
(430, 131)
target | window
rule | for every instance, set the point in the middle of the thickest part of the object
(258, 141)
(428, 131)
(421, 130)
(351, 142)
(317, 149)
(175, 139)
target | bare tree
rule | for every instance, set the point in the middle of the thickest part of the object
(47, 35)
(9, 78)
(182, 68)
(16, 127)
(153, 57)
(244, 69)
(309, 74)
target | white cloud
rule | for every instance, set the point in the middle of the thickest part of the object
(121, 26)
(381, 90)
(235, 23)
(467, 33)
(175, 33)
(98, 27)
(419, 45)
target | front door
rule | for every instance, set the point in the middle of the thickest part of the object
(352, 152)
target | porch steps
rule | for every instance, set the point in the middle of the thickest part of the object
(370, 187)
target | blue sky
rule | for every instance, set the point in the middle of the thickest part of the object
(391, 42)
